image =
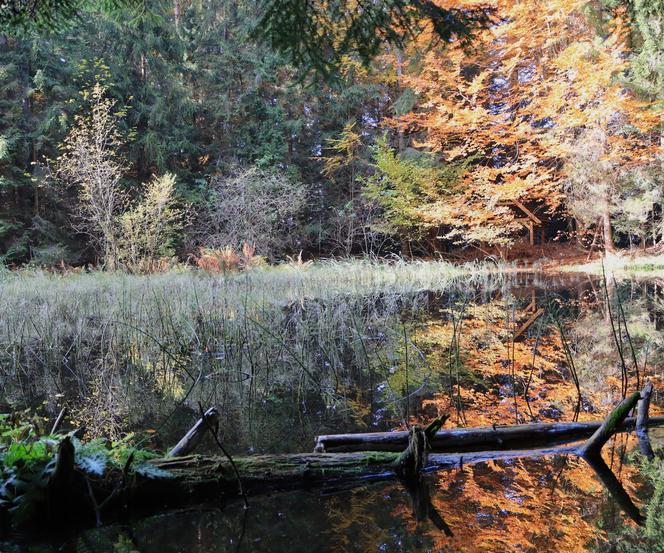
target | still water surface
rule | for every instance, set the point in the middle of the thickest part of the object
(500, 351)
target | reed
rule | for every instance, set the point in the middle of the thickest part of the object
(320, 334)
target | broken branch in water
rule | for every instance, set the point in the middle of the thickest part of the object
(642, 421)
(609, 426)
(214, 430)
(58, 420)
(192, 438)
(590, 451)
(409, 463)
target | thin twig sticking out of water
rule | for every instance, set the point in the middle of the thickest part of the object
(618, 337)
(623, 366)
(454, 360)
(178, 363)
(370, 368)
(300, 363)
(571, 364)
(629, 340)
(540, 326)
(406, 394)
(214, 432)
(511, 355)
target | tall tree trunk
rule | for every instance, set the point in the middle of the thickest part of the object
(401, 140)
(609, 246)
(177, 14)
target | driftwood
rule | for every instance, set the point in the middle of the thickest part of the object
(189, 442)
(476, 439)
(199, 479)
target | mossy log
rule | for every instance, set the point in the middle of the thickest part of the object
(204, 478)
(198, 479)
(609, 426)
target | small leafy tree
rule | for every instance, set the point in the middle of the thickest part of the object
(91, 162)
(400, 186)
(149, 229)
(406, 187)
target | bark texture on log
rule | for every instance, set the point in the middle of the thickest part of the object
(197, 478)
(475, 439)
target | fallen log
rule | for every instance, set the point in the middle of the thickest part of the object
(196, 479)
(82, 497)
(202, 479)
(476, 439)
(199, 479)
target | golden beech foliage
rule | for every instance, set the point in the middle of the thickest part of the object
(532, 84)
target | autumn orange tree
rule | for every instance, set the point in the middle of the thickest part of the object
(539, 86)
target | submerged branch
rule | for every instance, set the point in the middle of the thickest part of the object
(614, 487)
(642, 419)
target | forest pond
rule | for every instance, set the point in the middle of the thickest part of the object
(285, 362)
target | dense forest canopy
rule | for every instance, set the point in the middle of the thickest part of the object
(159, 120)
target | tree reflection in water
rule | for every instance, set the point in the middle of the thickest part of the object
(487, 355)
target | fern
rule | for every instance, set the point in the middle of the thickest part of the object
(151, 471)
(94, 464)
(27, 461)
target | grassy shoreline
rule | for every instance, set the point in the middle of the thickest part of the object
(318, 279)
(650, 266)
(105, 342)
